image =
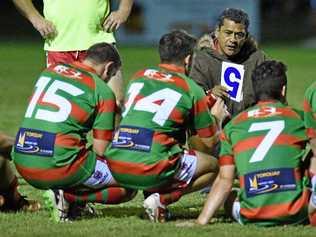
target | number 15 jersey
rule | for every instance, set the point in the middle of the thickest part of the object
(68, 101)
(266, 143)
(161, 104)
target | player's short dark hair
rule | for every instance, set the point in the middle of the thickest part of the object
(268, 78)
(175, 46)
(104, 52)
(234, 14)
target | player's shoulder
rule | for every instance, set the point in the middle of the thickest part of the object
(311, 90)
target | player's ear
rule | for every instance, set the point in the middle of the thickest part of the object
(106, 69)
(283, 92)
(187, 60)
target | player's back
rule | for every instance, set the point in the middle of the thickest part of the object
(268, 142)
(60, 113)
(160, 106)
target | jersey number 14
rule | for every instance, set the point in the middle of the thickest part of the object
(161, 103)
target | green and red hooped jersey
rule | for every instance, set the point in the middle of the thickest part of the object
(161, 104)
(68, 101)
(310, 110)
(266, 144)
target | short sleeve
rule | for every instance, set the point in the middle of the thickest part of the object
(310, 110)
(204, 123)
(226, 152)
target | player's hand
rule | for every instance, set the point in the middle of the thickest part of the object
(114, 20)
(219, 110)
(44, 27)
(220, 91)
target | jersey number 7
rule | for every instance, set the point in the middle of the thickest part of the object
(274, 128)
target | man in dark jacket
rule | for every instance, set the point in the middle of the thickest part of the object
(225, 60)
(223, 63)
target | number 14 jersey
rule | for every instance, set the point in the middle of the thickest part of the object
(161, 104)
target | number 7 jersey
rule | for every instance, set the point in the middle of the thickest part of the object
(161, 105)
(266, 143)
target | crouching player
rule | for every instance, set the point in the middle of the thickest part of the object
(10, 197)
(162, 104)
(310, 123)
(50, 150)
(265, 145)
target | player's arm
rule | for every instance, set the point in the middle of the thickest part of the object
(219, 113)
(99, 146)
(6, 144)
(116, 18)
(219, 192)
(43, 26)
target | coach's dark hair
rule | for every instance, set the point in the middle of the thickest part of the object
(233, 14)
(268, 79)
(175, 46)
(104, 52)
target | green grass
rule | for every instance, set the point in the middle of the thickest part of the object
(20, 64)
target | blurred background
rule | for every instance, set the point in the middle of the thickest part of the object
(271, 20)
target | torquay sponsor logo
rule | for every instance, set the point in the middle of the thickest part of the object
(27, 146)
(267, 181)
(133, 138)
(35, 142)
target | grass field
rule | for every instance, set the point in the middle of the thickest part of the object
(20, 64)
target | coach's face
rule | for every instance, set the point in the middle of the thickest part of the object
(231, 37)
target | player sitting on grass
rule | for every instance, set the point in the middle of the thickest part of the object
(310, 124)
(265, 145)
(162, 104)
(50, 150)
(10, 198)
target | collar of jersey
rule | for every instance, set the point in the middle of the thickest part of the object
(83, 66)
(172, 67)
(263, 102)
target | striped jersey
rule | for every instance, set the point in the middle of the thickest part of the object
(161, 105)
(310, 110)
(266, 143)
(68, 101)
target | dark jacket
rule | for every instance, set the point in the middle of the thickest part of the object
(207, 65)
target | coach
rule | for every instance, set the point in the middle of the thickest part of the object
(225, 60)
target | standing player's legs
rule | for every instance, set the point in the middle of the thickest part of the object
(196, 171)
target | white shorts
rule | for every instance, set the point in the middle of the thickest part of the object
(187, 168)
(101, 176)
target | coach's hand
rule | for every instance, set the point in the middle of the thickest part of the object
(220, 91)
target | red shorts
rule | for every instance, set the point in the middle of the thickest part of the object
(67, 57)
